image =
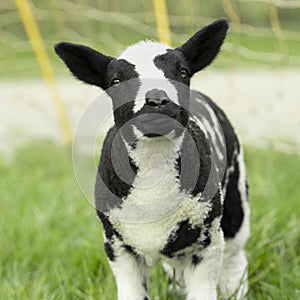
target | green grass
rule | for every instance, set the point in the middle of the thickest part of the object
(51, 240)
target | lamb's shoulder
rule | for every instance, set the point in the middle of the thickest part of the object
(115, 174)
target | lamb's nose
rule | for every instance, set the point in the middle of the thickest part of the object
(157, 97)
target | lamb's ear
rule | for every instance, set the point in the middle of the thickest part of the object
(84, 62)
(204, 45)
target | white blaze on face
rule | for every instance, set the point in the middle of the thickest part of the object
(142, 55)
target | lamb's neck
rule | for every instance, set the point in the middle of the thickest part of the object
(156, 152)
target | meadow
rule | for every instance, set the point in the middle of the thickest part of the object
(51, 240)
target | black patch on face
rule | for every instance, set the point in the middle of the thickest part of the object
(120, 69)
(124, 93)
(175, 68)
(183, 237)
(233, 213)
(172, 63)
(109, 251)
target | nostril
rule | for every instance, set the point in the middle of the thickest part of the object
(164, 102)
(157, 102)
(152, 102)
(157, 98)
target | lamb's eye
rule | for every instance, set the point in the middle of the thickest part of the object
(183, 73)
(116, 82)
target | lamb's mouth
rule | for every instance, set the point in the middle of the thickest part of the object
(157, 124)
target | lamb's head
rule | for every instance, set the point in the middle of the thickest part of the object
(148, 82)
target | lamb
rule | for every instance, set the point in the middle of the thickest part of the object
(171, 184)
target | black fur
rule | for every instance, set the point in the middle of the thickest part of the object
(120, 69)
(109, 230)
(84, 62)
(109, 251)
(130, 250)
(109, 184)
(216, 209)
(194, 172)
(196, 259)
(123, 106)
(185, 236)
(204, 45)
(207, 240)
(231, 140)
(233, 213)
(171, 64)
(182, 238)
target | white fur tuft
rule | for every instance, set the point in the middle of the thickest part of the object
(142, 55)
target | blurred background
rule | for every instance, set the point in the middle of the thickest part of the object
(51, 242)
(255, 78)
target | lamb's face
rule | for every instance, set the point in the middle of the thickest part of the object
(148, 82)
(149, 87)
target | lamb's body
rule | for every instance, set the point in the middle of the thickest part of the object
(187, 235)
(171, 183)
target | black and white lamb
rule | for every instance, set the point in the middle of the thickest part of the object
(171, 183)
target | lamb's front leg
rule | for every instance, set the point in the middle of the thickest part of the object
(202, 273)
(130, 272)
